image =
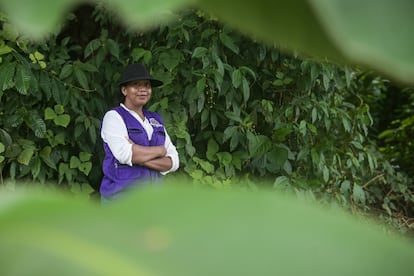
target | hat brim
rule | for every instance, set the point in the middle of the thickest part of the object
(154, 82)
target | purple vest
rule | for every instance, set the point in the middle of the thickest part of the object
(118, 176)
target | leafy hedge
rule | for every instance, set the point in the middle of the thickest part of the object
(240, 113)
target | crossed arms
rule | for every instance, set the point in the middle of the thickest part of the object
(153, 157)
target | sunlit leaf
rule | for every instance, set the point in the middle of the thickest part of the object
(49, 114)
(85, 167)
(62, 120)
(74, 162)
(85, 156)
(212, 149)
(25, 156)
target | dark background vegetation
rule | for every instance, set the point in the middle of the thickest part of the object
(242, 115)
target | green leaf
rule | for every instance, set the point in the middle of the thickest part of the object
(25, 156)
(326, 81)
(220, 67)
(4, 49)
(245, 69)
(302, 127)
(213, 119)
(85, 156)
(325, 172)
(204, 118)
(372, 162)
(74, 162)
(49, 114)
(225, 158)
(88, 67)
(7, 75)
(10, 32)
(281, 134)
(92, 134)
(235, 141)
(81, 78)
(112, 47)
(236, 78)
(345, 187)
(281, 181)
(314, 115)
(277, 158)
(67, 70)
(45, 85)
(258, 144)
(59, 109)
(190, 150)
(358, 194)
(212, 149)
(36, 124)
(65, 173)
(165, 228)
(233, 116)
(229, 132)
(228, 42)
(312, 128)
(85, 167)
(2, 147)
(199, 52)
(91, 47)
(205, 165)
(347, 124)
(138, 53)
(62, 120)
(201, 85)
(303, 154)
(171, 59)
(45, 156)
(38, 55)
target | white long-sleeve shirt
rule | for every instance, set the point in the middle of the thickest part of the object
(114, 133)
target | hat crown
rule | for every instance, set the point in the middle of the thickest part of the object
(137, 71)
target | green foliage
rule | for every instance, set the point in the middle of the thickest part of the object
(237, 110)
(187, 231)
(397, 144)
(50, 116)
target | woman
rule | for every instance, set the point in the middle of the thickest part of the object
(137, 146)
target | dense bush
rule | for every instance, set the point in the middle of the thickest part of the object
(241, 114)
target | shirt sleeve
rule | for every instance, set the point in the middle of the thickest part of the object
(115, 134)
(172, 153)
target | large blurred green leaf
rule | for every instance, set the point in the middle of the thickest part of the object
(377, 34)
(178, 231)
(39, 18)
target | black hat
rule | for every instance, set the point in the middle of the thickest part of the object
(137, 71)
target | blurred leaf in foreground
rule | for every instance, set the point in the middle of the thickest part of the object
(377, 34)
(36, 19)
(185, 231)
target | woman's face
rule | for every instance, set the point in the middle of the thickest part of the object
(137, 93)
